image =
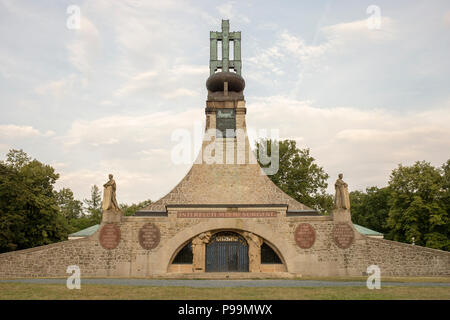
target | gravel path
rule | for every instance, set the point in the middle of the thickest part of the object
(227, 283)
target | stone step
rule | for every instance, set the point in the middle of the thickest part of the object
(227, 275)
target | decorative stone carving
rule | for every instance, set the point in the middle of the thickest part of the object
(199, 251)
(254, 251)
(305, 235)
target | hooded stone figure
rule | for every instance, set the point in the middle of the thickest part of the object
(342, 197)
(109, 195)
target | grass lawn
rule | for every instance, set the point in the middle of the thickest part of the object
(383, 279)
(27, 291)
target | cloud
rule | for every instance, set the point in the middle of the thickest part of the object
(139, 81)
(59, 88)
(227, 10)
(12, 131)
(166, 84)
(290, 57)
(185, 70)
(364, 144)
(180, 93)
(136, 149)
(153, 127)
(446, 18)
(85, 48)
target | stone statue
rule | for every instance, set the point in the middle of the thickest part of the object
(109, 195)
(342, 198)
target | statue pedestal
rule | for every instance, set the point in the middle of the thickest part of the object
(341, 215)
(112, 216)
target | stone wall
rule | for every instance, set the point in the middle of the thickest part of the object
(129, 259)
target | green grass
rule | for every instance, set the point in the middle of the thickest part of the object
(383, 279)
(26, 291)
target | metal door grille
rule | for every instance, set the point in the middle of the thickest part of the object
(227, 256)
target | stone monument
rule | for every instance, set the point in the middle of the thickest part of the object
(341, 212)
(229, 195)
(110, 208)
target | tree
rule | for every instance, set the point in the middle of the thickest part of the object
(298, 174)
(371, 209)
(17, 159)
(94, 205)
(446, 186)
(129, 210)
(419, 205)
(68, 206)
(29, 214)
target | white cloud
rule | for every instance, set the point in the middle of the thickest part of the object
(152, 127)
(137, 82)
(291, 55)
(4, 148)
(58, 88)
(228, 11)
(180, 92)
(186, 70)
(11, 131)
(365, 145)
(446, 18)
(85, 47)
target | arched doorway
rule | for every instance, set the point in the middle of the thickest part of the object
(227, 252)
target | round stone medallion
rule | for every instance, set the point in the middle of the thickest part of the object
(305, 235)
(343, 235)
(149, 236)
(109, 236)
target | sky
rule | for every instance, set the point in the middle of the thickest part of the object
(365, 89)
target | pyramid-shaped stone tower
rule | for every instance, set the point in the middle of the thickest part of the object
(226, 173)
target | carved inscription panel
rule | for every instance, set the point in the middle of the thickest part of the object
(149, 236)
(109, 236)
(343, 235)
(305, 235)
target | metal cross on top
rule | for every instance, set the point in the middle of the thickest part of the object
(225, 36)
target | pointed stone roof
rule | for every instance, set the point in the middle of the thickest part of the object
(226, 184)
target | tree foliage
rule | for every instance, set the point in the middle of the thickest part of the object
(298, 174)
(29, 214)
(32, 213)
(129, 210)
(371, 208)
(419, 205)
(94, 205)
(69, 207)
